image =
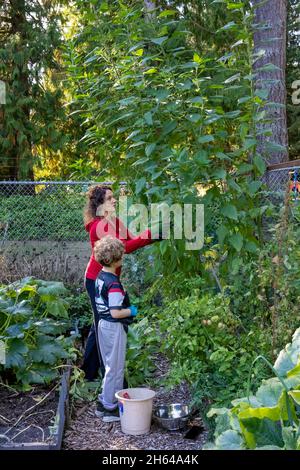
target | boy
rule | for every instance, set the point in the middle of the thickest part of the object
(115, 314)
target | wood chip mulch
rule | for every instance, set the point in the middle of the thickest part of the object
(87, 432)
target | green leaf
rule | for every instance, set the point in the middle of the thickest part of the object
(150, 149)
(289, 356)
(167, 13)
(274, 147)
(20, 309)
(230, 440)
(232, 114)
(17, 331)
(268, 68)
(148, 118)
(160, 40)
(220, 174)
(201, 158)
(253, 187)
(261, 432)
(259, 164)
(48, 326)
(15, 353)
(230, 211)
(205, 138)
(194, 117)
(251, 247)
(249, 143)
(230, 25)
(295, 372)
(140, 185)
(149, 72)
(222, 231)
(57, 308)
(236, 241)
(233, 184)
(269, 392)
(196, 99)
(48, 350)
(295, 394)
(235, 5)
(231, 79)
(289, 438)
(51, 288)
(262, 93)
(169, 127)
(244, 168)
(38, 374)
(222, 156)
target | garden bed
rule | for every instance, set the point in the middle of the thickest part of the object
(35, 419)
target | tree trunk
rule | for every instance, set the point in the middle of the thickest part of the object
(272, 39)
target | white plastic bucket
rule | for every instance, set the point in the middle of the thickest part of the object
(136, 412)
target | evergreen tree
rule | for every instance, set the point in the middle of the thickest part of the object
(30, 39)
(293, 74)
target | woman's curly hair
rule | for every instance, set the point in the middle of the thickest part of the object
(108, 250)
(95, 197)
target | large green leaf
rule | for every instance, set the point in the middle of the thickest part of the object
(230, 211)
(261, 432)
(295, 394)
(290, 356)
(57, 308)
(17, 331)
(47, 350)
(48, 289)
(160, 40)
(37, 374)
(15, 353)
(259, 164)
(222, 231)
(22, 309)
(289, 436)
(230, 440)
(269, 392)
(48, 326)
(236, 240)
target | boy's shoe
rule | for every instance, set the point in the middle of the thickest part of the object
(111, 416)
(100, 410)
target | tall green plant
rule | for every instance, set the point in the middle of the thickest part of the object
(169, 119)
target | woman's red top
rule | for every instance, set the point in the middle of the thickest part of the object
(99, 227)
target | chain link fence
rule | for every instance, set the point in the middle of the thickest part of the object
(43, 210)
(53, 210)
(282, 178)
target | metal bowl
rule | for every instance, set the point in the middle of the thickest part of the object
(172, 417)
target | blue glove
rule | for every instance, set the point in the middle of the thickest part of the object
(133, 310)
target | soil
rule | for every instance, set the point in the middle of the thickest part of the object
(23, 419)
(89, 432)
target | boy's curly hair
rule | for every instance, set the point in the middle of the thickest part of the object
(108, 250)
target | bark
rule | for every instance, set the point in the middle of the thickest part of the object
(272, 39)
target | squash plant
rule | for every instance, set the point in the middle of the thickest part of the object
(34, 327)
(270, 418)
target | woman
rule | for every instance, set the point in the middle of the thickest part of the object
(99, 221)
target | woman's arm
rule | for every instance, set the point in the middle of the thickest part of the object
(138, 242)
(122, 313)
